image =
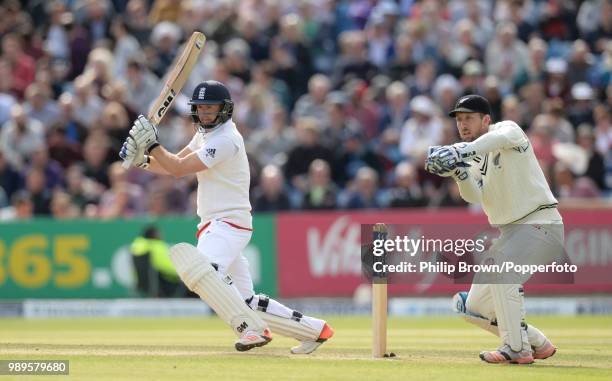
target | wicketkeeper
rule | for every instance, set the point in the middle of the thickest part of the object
(495, 166)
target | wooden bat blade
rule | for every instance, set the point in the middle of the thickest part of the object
(177, 77)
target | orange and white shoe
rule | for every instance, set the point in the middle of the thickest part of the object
(307, 347)
(505, 355)
(252, 339)
(544, 351)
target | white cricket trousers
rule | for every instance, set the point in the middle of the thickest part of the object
(222, 243)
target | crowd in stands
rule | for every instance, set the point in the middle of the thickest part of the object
(337, 100)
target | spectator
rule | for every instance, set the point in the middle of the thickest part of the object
(164, 38)
(338, 121)
(445, 91)
(236, 58)
(568, 185)
(10, 179)
(96, 151)
(7, 100)
(321, 192)
(581, 109)
(563, 130)
(62, 207)
(396, 110)
(57, 43)
(364, 192)
(581, 64)
(270, 195)
(82, 190)
(596, 170)
(352, 62)
(312, 104)
(464, 48)
(536, 66)
(407, 192)
(54, 174)
(39, 106)
(308, 149)
(22, 66)
(21, 207)
(98, 14)
(20, 137)
(506, 56)
(380, 42)
(472, 77)
(273, 142)
(603, 129)
(361, 107)
(122, 199)
(448, 196)
(41, 195)
(126, 46)
(422, 130)
(556, 78)
(87, 101)
(142, 85)
(353, 155)
(255, 111)
(402, 65)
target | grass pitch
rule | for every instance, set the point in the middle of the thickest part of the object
(202, 349)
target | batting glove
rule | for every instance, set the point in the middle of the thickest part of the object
(144, 134)
(130, 153)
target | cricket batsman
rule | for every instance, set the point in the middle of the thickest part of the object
(216, 270)
(495, 166)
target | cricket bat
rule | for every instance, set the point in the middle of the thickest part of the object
(176, 79)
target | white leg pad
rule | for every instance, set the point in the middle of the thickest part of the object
(285, 321)
(481, 322)
(534, 335)
(217, 291)
(509, 310)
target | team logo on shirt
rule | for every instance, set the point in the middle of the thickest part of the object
(210, 152)
(521, 149)
(496, 160)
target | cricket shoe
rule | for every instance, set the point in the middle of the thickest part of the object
(505, 355)
(307, 347)
(252, 339)
(544, 351)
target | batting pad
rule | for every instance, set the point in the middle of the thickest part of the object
(285, 321)
(203, 279)
(509, 309)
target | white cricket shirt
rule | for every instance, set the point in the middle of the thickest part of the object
(508, 175)
(223, 188)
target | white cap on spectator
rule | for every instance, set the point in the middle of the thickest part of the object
(573, 156)
(446, 82)
(582, 91)
(422, 105)
(387, 7)
(556, 66)
(165, 29)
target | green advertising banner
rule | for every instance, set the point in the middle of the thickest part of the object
(91, 259)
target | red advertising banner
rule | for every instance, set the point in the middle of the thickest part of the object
(319, 253)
